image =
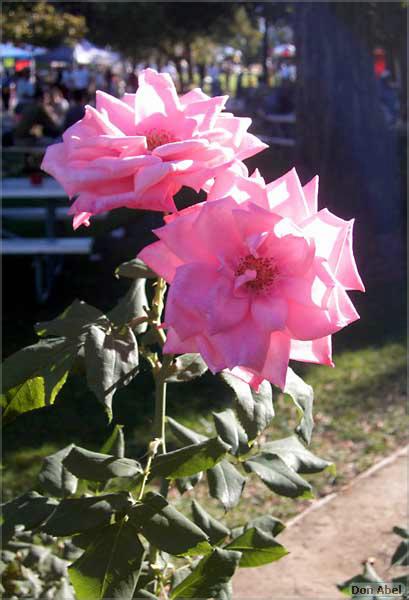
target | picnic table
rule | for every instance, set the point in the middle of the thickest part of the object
(280, 128)
(48, 191)
(49, 250)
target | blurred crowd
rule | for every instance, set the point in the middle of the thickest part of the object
(38, 109)
(38, 106)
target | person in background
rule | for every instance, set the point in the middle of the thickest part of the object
(278, 100)
(389, 97)
(80, 78)
(131, 82)
(37, 124)
(6, 81)
(76, 110)
(214, 73)
(24, 90)
(66, 82)
(201, 67)
(59, 104)
(116, 86)
(99, 80)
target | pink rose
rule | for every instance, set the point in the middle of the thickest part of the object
(139, 151)
(257, 278)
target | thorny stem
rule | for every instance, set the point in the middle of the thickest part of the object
(153, 448)
(136, 321)
(159, 374)
(160, 401)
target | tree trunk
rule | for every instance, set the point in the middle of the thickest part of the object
(341, 130)
(265, 44)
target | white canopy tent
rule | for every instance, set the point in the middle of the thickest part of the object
(86, 53)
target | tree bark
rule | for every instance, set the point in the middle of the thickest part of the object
(265, 45)
(341, 130)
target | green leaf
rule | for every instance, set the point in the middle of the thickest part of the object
(64, 591)
(278, 476)
(209, 577)
(226, 427)
(254, 409)
(267, 524)
(94, 466)
(295, 455)
(75, 321)
(166, 528)
(180, 574)
(29, 510)
(213, 528)
(369, 576)
(54, 477)
(141, 594)
(135, 269)
(33, 376)
(401, 579)
(225, 592)
(244, 446)
(225, 484)
(231, 432)
(186, 367)
(110, 566)
(184, 434)
(303, 397)
(75, 515)
(346, 587)
(401, 531)
(86, 538)
(257, 548)
(111, 361)
(115, 444)
(131, 306)
(189, 460)
(401, 554)
(185, 484)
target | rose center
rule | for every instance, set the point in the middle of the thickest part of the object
(158, 137)
(266, 272)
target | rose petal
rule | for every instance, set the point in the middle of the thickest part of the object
(334, 243)
(158, 257)
(295, 205)
(118, 112)
(269, 312)
(312, 351)
(310, 190)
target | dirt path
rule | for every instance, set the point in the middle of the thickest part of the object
(328, 542)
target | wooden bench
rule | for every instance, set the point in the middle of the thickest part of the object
(48, 255)
(24, 149)
(37, 213)
(45, 246)
(47, 252)
(33, 213)
(281, 125)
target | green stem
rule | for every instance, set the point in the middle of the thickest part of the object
(160, 411)
(160, 401)
(153, 448)
(159, 374)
